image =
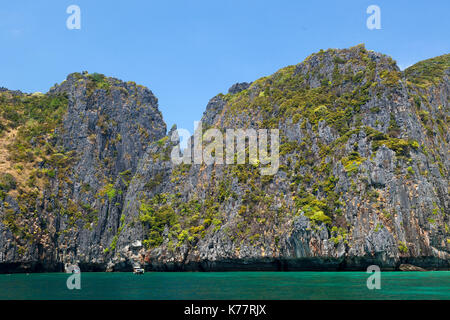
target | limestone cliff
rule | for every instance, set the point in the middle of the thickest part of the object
(363, 175)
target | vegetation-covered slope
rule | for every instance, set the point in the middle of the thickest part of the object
(67, 159)
(363, 176)
(361, 180)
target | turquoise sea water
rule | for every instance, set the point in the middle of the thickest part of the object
(228, 285)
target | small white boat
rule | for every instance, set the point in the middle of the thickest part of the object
(138, 270)
(72, 268)
(76, 269)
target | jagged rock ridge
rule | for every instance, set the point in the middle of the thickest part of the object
(363, 175)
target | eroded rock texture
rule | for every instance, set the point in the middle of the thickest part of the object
(363, 176)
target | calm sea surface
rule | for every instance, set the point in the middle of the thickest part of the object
(228, 285)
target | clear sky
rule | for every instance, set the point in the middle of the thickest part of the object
(188, 51)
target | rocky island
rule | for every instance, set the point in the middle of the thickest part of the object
(86, 176)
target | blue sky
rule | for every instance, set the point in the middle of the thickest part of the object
(188, 51)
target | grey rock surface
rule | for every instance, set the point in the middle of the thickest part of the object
(371, 189)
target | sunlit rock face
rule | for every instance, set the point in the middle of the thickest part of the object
(363, 175)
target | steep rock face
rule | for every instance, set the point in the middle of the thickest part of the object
(362, 179)
(104, 132)
(363, 175)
